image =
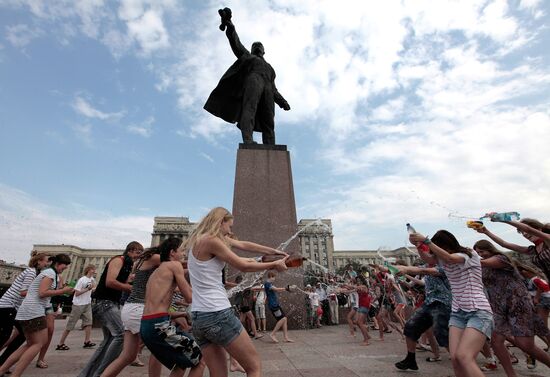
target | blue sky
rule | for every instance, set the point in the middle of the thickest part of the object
(401, 112)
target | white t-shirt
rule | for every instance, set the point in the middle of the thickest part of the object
(83, 283)
(314, 299)
(260, 296)
(33, 305)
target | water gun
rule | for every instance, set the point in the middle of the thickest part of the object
(474, 224)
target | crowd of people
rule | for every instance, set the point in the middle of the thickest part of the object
(467, 300)
(173, 299)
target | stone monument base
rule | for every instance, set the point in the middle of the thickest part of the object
(265, 212)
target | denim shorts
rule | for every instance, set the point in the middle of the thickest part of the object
(221, 327)
(480, 320)
(363, 310)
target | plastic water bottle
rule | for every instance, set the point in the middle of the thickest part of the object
(410, 229)
(420, 246)
(503, 216)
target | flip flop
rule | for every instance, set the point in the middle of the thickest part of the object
(433, 359)
(41, 364)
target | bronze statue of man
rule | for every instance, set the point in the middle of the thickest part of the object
(246, 93)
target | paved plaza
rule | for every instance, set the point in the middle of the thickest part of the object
(324, 352)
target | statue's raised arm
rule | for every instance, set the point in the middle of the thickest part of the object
(232, 36)
(246, 93)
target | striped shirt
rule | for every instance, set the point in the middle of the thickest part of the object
(466, 284)
(12, 298)
(541, 258)
(33, 305)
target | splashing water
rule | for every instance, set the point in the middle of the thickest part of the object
(317, 222)
(251, 279)
(325, 269)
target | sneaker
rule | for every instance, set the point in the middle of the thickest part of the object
(489, 366)
(531, 363)
(406, 364)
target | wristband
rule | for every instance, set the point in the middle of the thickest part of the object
(426, 241)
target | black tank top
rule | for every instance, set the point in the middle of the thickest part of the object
(104, 293)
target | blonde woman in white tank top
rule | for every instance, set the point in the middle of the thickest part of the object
(215, 327)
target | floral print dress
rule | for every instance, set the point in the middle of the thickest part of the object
(513, 310)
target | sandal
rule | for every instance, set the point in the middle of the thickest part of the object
(88, 344)
(62, 347)
(41, 364)
(433, 359)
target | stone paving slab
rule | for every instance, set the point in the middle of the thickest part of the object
(324, 352)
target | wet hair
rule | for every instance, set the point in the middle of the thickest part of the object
(546, 228)
(238, 279)
(448, 242)
(89, 268)
(134, 245)
(169, 244)
(489, 247)
(532, 223)
(524, 267)
(35, 258)
(210, 225)
(61, 259)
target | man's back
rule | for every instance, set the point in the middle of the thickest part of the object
(160, 289)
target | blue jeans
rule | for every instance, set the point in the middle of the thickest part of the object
(108, 313)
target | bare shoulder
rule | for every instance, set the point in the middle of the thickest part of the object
(175, 266)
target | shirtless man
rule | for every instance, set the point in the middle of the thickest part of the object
(174, 348)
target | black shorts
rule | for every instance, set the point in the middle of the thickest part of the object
(33, 325)
(277, 313)
(245, 309)
(373, 311)
(436, 314)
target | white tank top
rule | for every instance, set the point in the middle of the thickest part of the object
(209, 294)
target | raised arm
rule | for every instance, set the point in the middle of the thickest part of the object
(220, 249)
(501, 242)
(441, 254)
(528, 229)
(234, 41)
(253, 247)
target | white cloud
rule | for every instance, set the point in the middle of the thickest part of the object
(144, 129)
(21, 35)
(207, 156)
(26, 221)
(83, 107)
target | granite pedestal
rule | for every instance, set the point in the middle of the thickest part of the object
(265, 212)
